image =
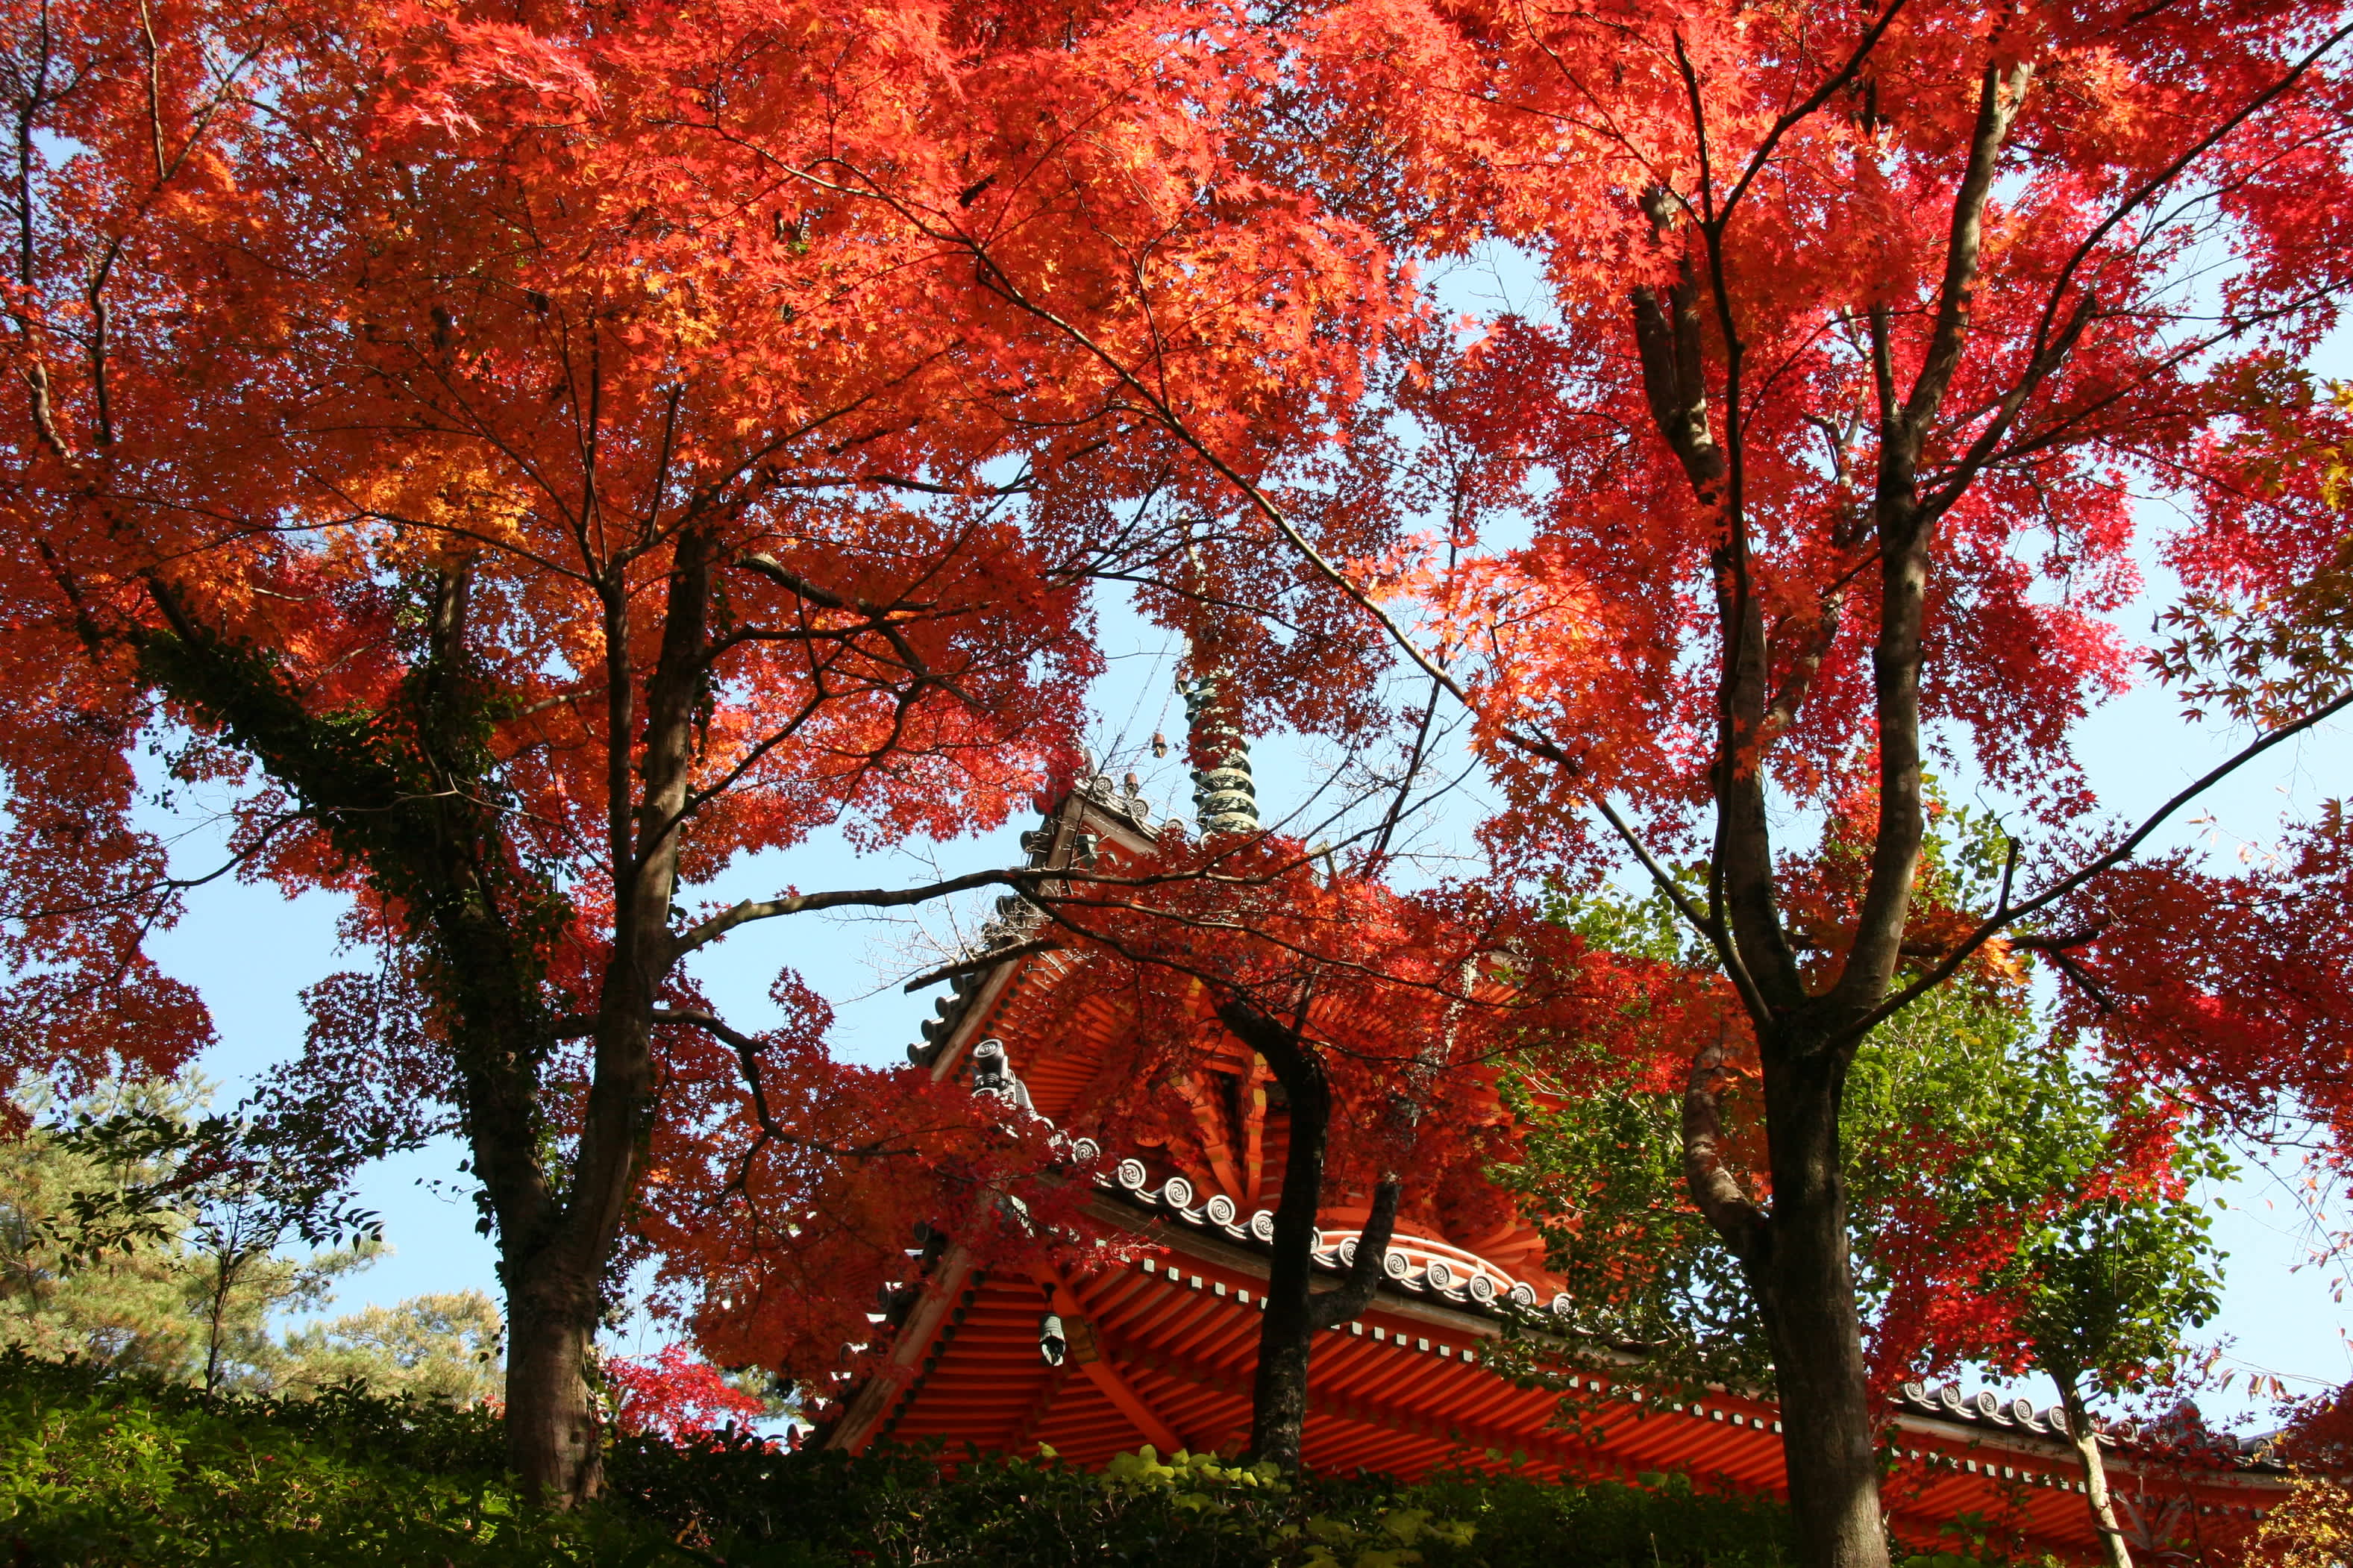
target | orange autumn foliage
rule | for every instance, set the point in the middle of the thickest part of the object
(542, 461)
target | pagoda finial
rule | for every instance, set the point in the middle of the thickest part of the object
(1224, 798)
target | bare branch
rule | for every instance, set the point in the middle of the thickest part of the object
(705, 932)
(980, 961)
(2075, 880)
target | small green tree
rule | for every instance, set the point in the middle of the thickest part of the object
(137, 1232)
(2108, 1285)
(1947, 1104)
(1959, 1094)
(230, 1196)
(444, 1347)
(68, 1289)
(2007, 1208)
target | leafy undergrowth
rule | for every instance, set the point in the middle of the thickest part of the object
(116, 1471)
(103, 1470)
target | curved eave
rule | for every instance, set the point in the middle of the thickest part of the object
(1127, 1193)
(1162, 1347)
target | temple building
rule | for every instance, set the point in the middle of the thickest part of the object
(1161, 1350)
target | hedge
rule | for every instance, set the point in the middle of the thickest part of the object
(116, 1471)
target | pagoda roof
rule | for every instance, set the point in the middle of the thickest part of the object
(1095, 815)
(1162, 1347)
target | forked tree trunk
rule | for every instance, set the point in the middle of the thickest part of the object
(411, 801)
(409, 807)
(412, 816)
(2086, 1438)
(1285, 1333)
(1294, 1312)
(1795, 1258)
(555, 1268)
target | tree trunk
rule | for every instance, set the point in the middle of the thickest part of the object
(1285, 1335)
(2086, 1438)
(413, 800)
(553, 1306)
(1795, 1260)
(554, 1280)
(551, 1416)
(1804, 1278)
(1295, 1312)
(1795, 1257)
(213, 1321)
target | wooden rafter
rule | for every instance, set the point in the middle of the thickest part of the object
(1099, 1370)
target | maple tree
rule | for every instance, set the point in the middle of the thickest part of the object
(2313, 1527)
(677, 1394)
(1886, 313)
(1860, 324)
(572, 625)
(536, 465)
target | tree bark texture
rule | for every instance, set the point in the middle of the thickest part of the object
(1830, 1432)
(2086, 1438)
(552, 1431)
(1795, 1262)
(1295, 1312)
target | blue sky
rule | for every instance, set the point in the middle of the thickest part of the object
(250, 952)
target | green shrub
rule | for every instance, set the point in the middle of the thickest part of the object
(121, 1470)
(1667, 1524)
(116, 1470)
(745, 1507)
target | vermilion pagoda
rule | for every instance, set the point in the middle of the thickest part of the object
(1161, 1351)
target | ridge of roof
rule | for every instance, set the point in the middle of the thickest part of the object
(1065, 836)
(1436, 1280)
(1988, 1409)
